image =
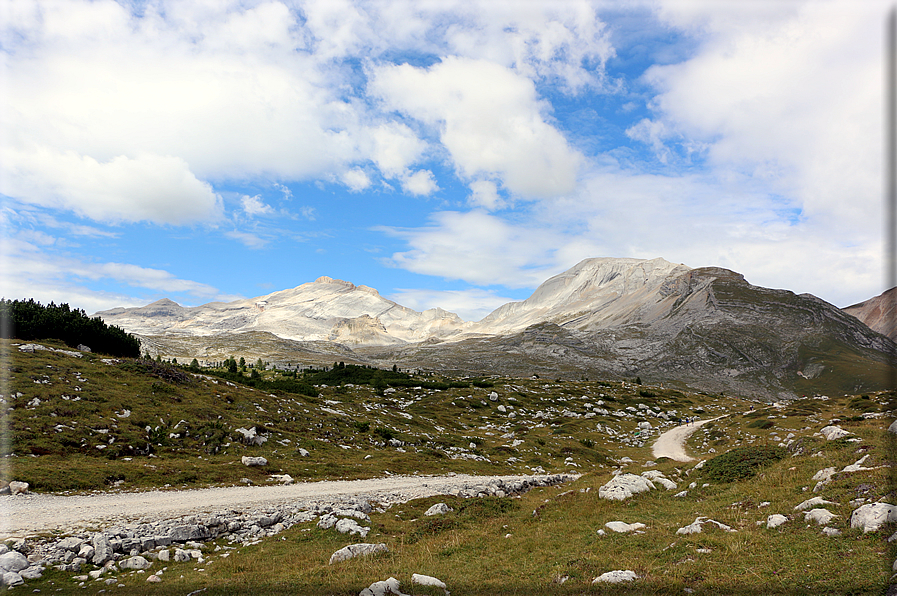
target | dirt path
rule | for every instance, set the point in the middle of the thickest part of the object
(671, 444)
(22, 515)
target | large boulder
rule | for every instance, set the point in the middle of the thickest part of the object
(438, 509)
(872, 516)
(820, 516)
(622, 527)
(615, 577)
(136, 562)
(426, 580)
(102, 549)
(834, 432)
(13, 561)
(18, 488)
(362, 549)
(248, 460)
(351, 527)
(620, 488)
(775, 520)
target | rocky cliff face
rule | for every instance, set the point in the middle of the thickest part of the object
(879, 313)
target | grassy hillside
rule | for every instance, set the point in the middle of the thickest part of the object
(546, 541)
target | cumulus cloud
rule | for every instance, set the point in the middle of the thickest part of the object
(489, 119)
(144, 188)
(420, 183)
(356, 179)
(484, 193)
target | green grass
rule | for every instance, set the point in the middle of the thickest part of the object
(469, 548)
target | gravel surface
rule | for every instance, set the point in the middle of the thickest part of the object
(671, 444)
(29, 514)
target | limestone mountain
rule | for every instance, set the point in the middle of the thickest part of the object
(879, 313)
(706, 328)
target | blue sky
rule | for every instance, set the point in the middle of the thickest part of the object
(447, 153)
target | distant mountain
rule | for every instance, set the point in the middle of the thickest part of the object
(879, 313)
(707, 328)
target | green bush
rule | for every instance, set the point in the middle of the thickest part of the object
(761, 424)
(741, 463)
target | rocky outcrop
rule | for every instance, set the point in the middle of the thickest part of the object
(879, 313)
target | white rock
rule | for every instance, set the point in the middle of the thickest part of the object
(615, 577)
(620, 488)
(285, 479)
(254, 461)
(164, 555)
(831, 531)
(362, 549)
(502, 409)
(18, 488)
(493, 396)
(820, 516)
(303, 452)
(137, 562)
(351, 527)
(824, 474)
(814, 502)
(834, 432)
(389, 586)
(893, 427)
(871, 517)
(857, 466)
(695, 527)
(11, 578)
(438, 509)
(623, 527)
(775, 520)
(13, 561)
(327, 521)
(659, 478)
(33, 572)
(426, 580)
(154, 579)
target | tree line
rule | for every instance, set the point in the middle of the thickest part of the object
(31, 321)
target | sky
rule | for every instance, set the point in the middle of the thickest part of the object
(451, 153)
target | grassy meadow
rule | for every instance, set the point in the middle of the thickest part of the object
(77, 425)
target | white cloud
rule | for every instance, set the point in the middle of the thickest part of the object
(247, 239)
(470, 305)
(253, 206)
(489, 119)
(145, 188)
(420, 183)
(484, 193)
(356, 179)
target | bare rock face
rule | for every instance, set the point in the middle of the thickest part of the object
(879, 313)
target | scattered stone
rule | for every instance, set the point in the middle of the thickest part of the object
(775, 520)
(303, 452)
(13, 561)
(351, 527)
(831, 531)
(70, 543)
(622, 527)
(254, 461)
(658, 477)
(11, 578)
(615, 577)
(814, 502)
(438, 509)
(893, 427)
(362, 549)
(833, 432)
(872, 516)
(857, 466)
(388, 586)
(695, 527)
(154, 579)
(621, 487)
(33, 572)
(285, 479)
(18, 488)
(426, 580)
(820, 516)
(136, 562)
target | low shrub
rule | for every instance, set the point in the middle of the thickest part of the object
(741, 463)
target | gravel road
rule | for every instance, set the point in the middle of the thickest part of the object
(671, 444)
(24, 515)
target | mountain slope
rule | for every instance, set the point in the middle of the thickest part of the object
(879, 313)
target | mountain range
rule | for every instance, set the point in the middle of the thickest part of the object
(705, 328)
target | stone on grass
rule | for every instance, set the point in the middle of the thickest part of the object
(695, 527)
(11, 578)
(71, 543)
(658, 477)
(824, 474)
(857, 466)
(426, 580)
(33, 572)
(13, 561)
(254, 461)
(622, 527)
(620, 488)
(820, 516)
(893, 427)
(362, 549)
(136, 562)
(438, 509)
(775, 520)
(615, 577)
(154, 579)
(282, 478)
(351, 527)
(814, 502)
(388, 586)
(164, 555)
(831, 531)
(872, 516)
(834, 432)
